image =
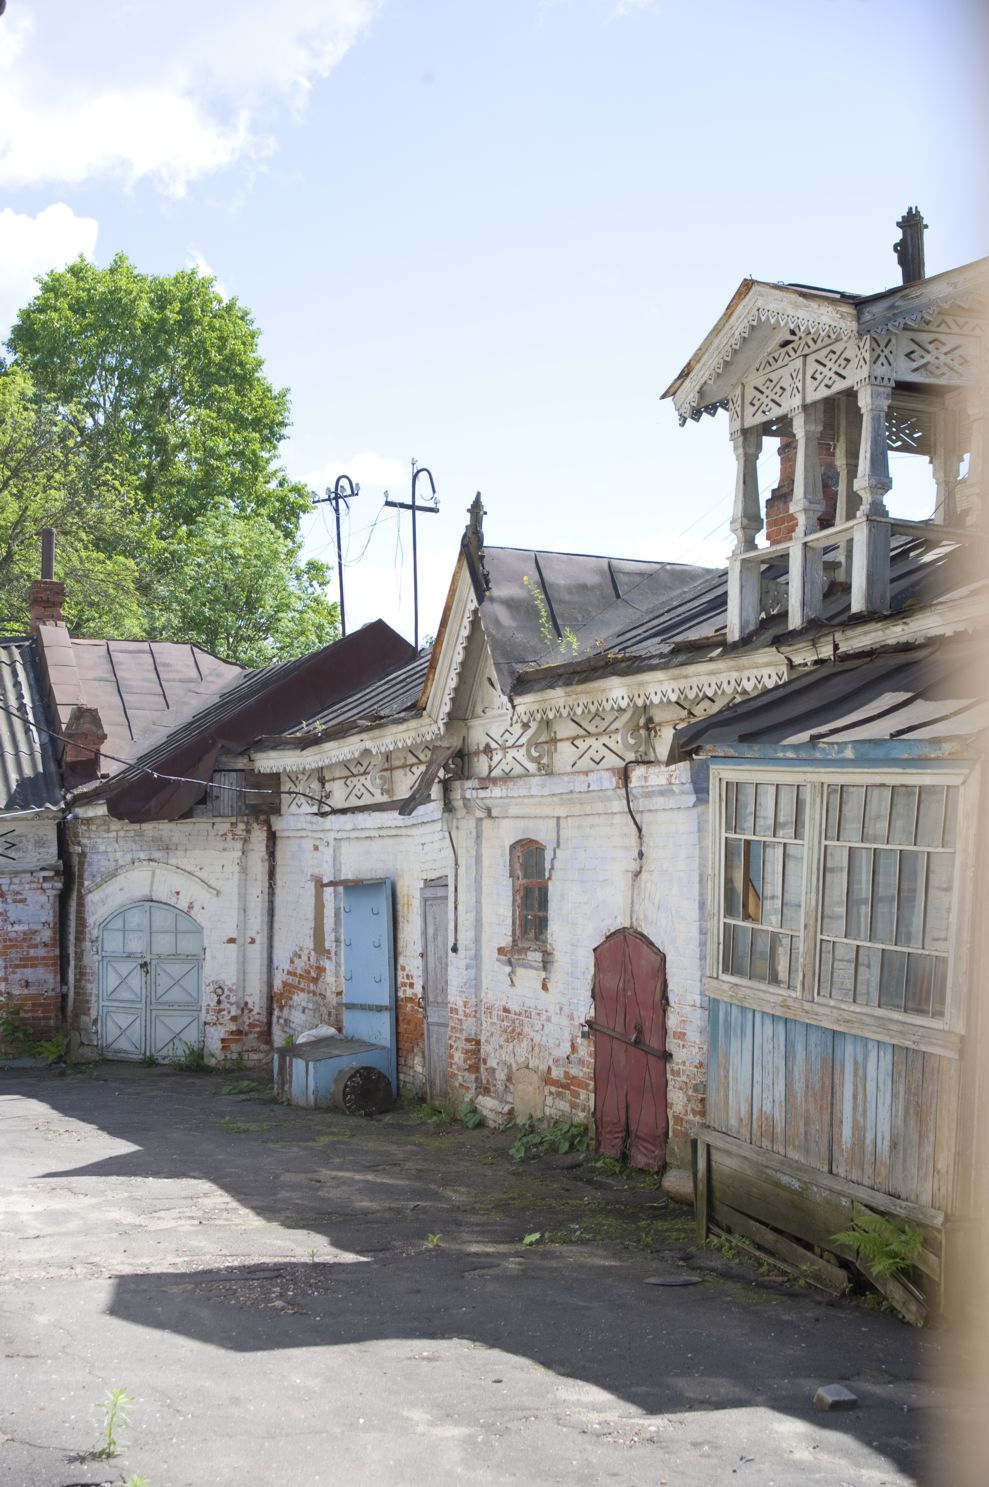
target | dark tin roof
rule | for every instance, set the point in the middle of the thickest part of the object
(693, 625)
(928, 694)
(533, 597)
(263, 702)
(29, 779)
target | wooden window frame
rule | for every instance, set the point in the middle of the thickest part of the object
(516, 851)
(940, 1035)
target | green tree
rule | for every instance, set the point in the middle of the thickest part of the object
(156, 391)
(44, 483)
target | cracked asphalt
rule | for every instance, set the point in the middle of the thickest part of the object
(298, 1296)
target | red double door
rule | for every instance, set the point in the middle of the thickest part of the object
(630, 1054)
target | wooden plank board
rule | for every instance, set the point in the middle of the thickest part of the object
(824, 1272)
(946, 1139)
(761, 1031)
(926, 1118)
(718, 1014)
(747, 1159)
(701, 1200)
(884, 1114)
(740, 1072)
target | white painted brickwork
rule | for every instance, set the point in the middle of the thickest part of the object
(217, 870)
(506, 1016)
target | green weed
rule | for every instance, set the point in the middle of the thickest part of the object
(191, 1060)
(888, 1246)
(562, 1136)
(239, 1087)
(116, 1418)
(434, 1241)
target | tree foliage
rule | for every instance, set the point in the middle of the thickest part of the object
(137, 420)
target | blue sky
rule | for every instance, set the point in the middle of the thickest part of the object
(488, 235)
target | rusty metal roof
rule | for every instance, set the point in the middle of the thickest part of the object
(29, 779)
(933, 693)
(269, 701)
(383, 701)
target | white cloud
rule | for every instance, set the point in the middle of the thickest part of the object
(137, 91)
(30, 246)
(198, 261)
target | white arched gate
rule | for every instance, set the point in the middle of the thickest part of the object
(151, 982)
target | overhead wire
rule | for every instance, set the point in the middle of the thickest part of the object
(155, 774)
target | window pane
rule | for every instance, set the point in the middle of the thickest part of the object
(752, 885)
(793, 885)
(835, 886)
(867, 965)
(940, 871)
(884, 896)
(533, 862)
(930, 816)
(786, 810)
(801, 811)
(859, 893)
(726, 949)
(910, 908)
(733, 878)
(892, 980)
(772, 883)
(831, 822)
(851, 812)
(877, 803)
(779, 960)
(730, 806)
(950, 817)
(940, 988)
(760, 955)
(824, 976)
(744, 808)
(903, 815)
(842, 971)
(740, 950)
(765, 809)
(920, 969)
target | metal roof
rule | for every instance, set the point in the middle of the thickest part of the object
(933, 693)
(381, 702)
(263, 702)
(29, 779)
(535, 596)
(692, 625)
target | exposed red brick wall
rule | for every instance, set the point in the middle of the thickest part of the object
(780, 522)
(29, 963)
(411, 1030)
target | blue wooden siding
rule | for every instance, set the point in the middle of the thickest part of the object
(871, 1112)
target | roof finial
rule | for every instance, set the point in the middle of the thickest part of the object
(910, 249)
(473, 546)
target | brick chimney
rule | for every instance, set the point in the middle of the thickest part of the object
(85, 736)
(780, 523)
(46, 595)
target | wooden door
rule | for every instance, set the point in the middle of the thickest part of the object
(630, 1055)
(435, 940)
(151, 982)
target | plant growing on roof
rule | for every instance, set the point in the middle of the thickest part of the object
(566, 640)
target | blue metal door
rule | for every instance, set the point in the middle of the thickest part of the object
(369, 967)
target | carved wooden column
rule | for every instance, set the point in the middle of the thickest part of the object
(945, 460)
(807, 506)
(744, 581)
(849, 433)
(870, 541)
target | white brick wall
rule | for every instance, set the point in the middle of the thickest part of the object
(503, 1015)
(217, 871)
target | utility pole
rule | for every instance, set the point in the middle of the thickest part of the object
(336, 499)
(429, 511)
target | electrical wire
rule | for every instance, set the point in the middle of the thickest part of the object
(155, 774)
